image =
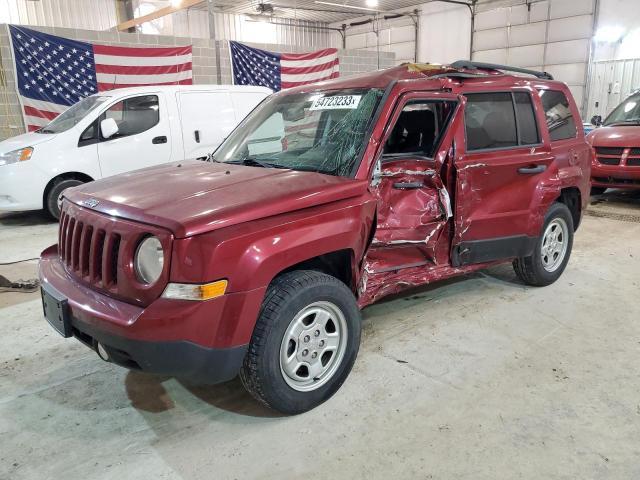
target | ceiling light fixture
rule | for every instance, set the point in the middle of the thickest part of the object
(176, 3)
(371, 3)
(346, 6)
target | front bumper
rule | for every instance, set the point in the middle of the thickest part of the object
(203, 342)
(615, 176)
(21, 187)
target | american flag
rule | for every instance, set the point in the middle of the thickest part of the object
(252, 66)
(53, 72)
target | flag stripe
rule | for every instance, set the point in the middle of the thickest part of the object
(142, 61)
(34, 112)
(308, 63)
(103, 87)
(304, 70)
(141, 51)
(307, 77)
(137, 70)
(299, 84)
(160, 79)
(309, 55)
(42, 105)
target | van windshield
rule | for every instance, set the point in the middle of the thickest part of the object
(70, 117)
(318, 132)
(627, 113)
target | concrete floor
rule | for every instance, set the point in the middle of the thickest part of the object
(479, 377)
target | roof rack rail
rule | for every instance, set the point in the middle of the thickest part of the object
(495, 66)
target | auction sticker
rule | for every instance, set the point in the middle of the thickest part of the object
(336, 102)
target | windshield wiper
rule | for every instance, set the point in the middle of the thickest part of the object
(45, 130)
(254, 162)
(631, 121)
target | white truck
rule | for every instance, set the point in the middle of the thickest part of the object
(115, 132)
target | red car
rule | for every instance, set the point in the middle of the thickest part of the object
(617, 146)
(326, 198)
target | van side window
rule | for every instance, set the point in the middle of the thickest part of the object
(490, 121)
(419, 128)
(134, 115)
(560, 120)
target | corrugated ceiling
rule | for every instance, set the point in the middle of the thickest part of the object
(310, 10)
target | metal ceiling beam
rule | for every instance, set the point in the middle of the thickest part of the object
(161, 12)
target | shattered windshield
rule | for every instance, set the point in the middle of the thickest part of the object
(317, 132)
(628, 112)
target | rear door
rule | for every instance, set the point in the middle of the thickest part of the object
(498, 171)
(143, 138)
(207, 118)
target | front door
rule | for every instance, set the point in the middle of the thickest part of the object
(413, 204)
(143, 138)
(497, 175)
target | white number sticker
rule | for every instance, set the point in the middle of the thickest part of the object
(336, 102)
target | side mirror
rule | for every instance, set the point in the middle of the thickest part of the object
(596, 120)
(108, 127)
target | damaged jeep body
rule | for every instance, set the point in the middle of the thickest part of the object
(263, 262)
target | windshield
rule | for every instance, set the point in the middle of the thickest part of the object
(628, 112)
(70, 117)
(318, 132)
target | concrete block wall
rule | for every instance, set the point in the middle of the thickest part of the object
(204, 62)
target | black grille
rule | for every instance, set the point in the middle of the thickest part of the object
(633, 162)
(609, 150)
(609, 161)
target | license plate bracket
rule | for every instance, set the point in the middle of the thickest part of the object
(56, 310)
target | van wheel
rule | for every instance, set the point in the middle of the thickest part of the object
(59, 186)
(552, 250)
(598, 190)
(305, 342)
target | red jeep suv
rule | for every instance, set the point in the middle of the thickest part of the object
(617, 145)
(326, 198)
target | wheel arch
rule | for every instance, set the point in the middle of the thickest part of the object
(83, 177)
(572, 198)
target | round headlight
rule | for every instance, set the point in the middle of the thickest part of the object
(149, 260)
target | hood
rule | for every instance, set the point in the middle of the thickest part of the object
(25, 140)
(624, 136)
(195, 197)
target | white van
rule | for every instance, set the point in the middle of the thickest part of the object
(115, 132)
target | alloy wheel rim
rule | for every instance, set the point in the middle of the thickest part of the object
(555, 242)
(313, 346)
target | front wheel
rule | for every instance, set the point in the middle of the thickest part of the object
(305, 342)
(53, 196)
(552, 250)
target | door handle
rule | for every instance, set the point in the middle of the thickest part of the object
(196, 134)
(532, 170)
(408, 185)
(160, 139)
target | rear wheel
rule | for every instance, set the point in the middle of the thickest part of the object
(304, 344)
(52, 205)
(598, 190)
(552, 250)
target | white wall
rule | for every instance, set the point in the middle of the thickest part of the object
(87, 14)
(444, 33)
(626, 15)
(550, 35)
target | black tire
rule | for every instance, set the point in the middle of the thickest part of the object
(60, 185)
(598, 190)
(288, 295)
(531, 269)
